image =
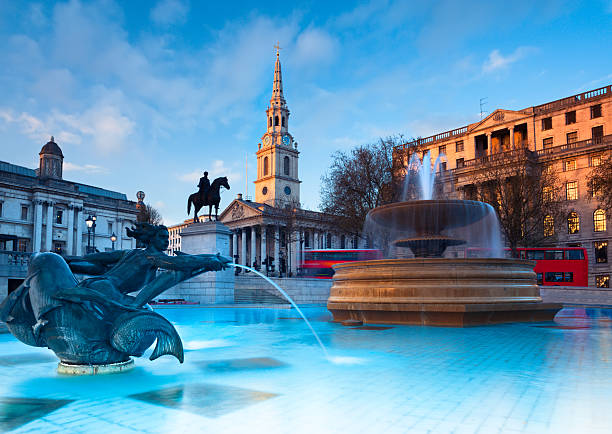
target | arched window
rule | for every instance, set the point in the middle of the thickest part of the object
(276, 121)
(328, 241)
(284, 122)
(265, 166)
(270, 121)
(286, 166)
(573, 223)
(549, 226)
(599, 220)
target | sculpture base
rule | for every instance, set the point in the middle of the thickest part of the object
(111, 368)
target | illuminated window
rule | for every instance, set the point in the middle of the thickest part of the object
(599, 220)
(601, 252)
(595, 160)
(549, 226)
(547, 142)
(573, 223)
(59, 216)
(572, 137)
(571, 190)
(569, 165)
(547, 194)
(602, 281)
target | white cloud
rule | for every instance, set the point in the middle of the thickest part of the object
(497, 61)
(169, 12)
(314, 46)
(89, 168)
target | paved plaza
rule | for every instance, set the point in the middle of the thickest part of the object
(261, 370)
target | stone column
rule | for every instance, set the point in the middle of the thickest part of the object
(243, 242)
(235, 244)
(79, 233)
(253, 246)
(37, 226)
(119, 234)
(264, 252)
(489, 144)
(315, 240)
(70, 230)
(276, 249)
(49, 232)
(512, 138)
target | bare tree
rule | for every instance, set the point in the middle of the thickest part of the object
(359, 180)
(600, 183)
(148, 214)
(527, 197)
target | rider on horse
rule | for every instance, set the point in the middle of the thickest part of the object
(204, 186)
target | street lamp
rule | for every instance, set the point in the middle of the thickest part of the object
(91, 227)
(113, 239)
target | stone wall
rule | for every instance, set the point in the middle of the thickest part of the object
(576, 295)
(302, 291)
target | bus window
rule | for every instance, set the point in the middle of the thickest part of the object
(553, 255)
(535, 255)
(539, 275)
(554, 277)
(569, 277)
(575, 254)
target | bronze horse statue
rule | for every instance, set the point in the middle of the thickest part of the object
(213, 197)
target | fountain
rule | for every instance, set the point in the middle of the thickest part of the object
(421, 286)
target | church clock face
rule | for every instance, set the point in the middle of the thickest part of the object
(267, 140)
(286, 140)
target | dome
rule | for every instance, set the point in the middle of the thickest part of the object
(51, 148)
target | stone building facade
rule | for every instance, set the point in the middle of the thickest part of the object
(569, 135)
(40, 211)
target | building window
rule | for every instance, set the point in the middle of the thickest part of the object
(0, 209)
(599, 220)
(460, 163)
(443, 167)
(573, 223)
(547, 194)
(572, 137)
(284, 122)
(547, 124)
(601, 252)
(547, 142)
(602, 281)
(24, 213)
(22, 245)
(270, 121)
(276, 121)
(596, 111)
(109, 227)
(59, 216)
(595, 189)
(442, 150)
(569, 165)
(286, 165)
(549, 226)
(265, 166)
(597, 134)
(570, 117)
(571, 190)
(595, 160)
(459, 146)
(343, 242)
(328, 241)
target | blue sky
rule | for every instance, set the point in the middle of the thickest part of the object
(144, 95)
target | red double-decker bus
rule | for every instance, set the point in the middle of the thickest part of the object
(318, 263)
(555, 266)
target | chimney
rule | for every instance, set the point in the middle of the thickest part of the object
(239, 196)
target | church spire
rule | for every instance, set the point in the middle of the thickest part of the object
(277, 89)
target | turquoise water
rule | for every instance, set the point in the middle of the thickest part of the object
(261, 370)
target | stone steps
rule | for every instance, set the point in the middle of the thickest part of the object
(257, 296)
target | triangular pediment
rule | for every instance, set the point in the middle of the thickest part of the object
(238, 210)
(499, 117)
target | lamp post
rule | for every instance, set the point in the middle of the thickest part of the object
(91, 227)
(113, 238)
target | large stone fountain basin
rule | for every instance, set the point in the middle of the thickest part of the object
(428, 216)
(438, 291)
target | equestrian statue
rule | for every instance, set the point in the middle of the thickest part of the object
(208, 194)
(95, 321)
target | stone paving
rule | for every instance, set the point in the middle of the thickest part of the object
(260, 370)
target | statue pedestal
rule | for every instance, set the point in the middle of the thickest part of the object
(213, 287)
(111, 368)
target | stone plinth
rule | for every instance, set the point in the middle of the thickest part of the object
(438, 291)
(111, 368)
(210, 237)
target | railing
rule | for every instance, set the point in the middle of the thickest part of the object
(575, 146)
(432, 139)
(494, 158)
(15, 259)
(572, 100)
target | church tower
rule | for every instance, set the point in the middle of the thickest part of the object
(277, 182)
